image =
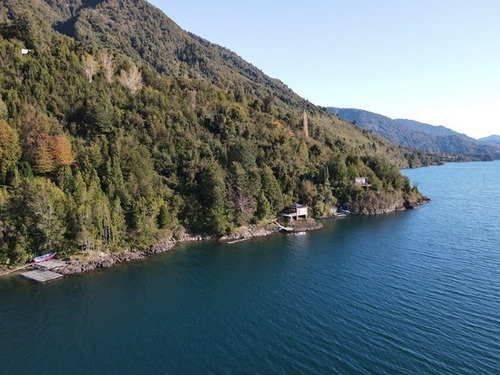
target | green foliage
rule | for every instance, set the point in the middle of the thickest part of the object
(9, 146)
(203, 142)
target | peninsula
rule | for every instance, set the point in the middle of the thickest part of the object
(119, 130)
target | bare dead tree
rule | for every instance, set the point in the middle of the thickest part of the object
(131, 79)
(305, 124)
(192, 99)
(107, 66)
(245, 207)
(89, 66)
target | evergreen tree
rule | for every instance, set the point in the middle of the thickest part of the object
(215, 198)
(9, 146)
(264, 208)
(45, 208)
(145, 224)
(272, 189)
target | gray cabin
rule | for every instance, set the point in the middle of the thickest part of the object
(295, 211)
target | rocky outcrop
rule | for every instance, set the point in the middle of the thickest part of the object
(90, 262)
(415, 203)
(375, 203)
(250, 232)
(162, 246)
(258, 231)
(304, 225)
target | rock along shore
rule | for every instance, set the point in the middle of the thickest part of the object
(89, 261)
(85, 262)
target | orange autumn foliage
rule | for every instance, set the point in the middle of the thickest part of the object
(62, 151)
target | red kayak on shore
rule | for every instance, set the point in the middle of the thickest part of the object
(43, 258)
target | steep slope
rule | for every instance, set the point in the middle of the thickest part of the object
(142, 32)
(417, 135)
(109, 145)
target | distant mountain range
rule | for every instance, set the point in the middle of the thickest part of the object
(418, 135)
(491, 140)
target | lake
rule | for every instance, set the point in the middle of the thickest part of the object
(409, 292)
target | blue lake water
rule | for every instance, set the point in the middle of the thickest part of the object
(405, 293)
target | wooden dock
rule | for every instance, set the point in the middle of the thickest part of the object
(43, 271)
(41, 275)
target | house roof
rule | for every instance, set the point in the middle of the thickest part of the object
(296, 205)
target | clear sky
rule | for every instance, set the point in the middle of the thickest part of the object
(434, 61)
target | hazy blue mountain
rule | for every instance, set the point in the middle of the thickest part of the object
(491, 140)
(417, 135)
(438, 130)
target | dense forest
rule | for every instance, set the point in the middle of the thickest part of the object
(105, 146)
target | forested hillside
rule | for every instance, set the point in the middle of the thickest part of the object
(118, 129)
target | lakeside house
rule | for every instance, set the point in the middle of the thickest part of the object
(360, 181)
(295, 212)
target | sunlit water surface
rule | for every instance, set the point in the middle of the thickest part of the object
(409, 292)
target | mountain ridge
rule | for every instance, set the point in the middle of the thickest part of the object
(118, 135)
(417, 135)
(438, 130)
(492, 139)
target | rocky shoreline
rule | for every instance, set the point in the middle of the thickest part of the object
(379, 204)
(89, 262)
(86, 262)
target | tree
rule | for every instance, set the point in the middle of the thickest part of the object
(4, 111)
(81, 214)
(305, 124)
(27, 28)
(245, 188)
(272, 189)
(131, 79)
(308, 192)
(303, 152)
(61, 149)
(107, 66)
(46, 208)
(89, 66)
(9, 146)
(43, 161)
(264, 208)
(164, 217)
(214, 198)
(268, 103)
(118, 226)
(35, 140)
(145, 223)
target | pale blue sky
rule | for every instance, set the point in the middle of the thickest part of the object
(432, 61)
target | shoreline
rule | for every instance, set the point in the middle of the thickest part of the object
(91, 261)
(82, 263)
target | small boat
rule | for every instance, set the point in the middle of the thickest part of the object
(43, 258)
